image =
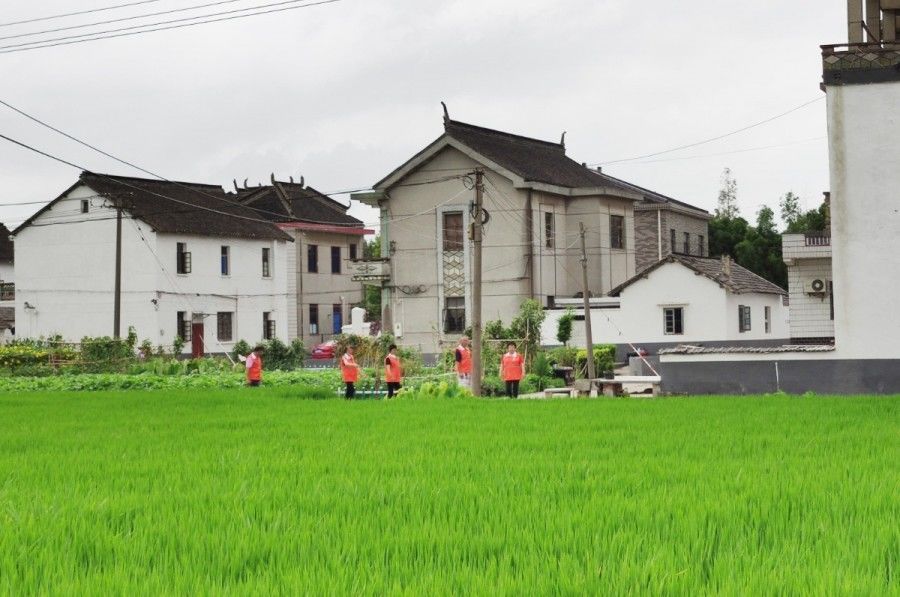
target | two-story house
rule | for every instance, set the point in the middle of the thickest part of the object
(194, 264)
(665, 226)
(327, 239)
(536, 198)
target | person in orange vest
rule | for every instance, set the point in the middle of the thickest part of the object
(349, 373)
(463, 357)
(253, 363)
(512, 370)
(392, 371)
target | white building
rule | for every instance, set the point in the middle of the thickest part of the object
(808, 259)
(195, 264)
(536, 198)
(683, 300)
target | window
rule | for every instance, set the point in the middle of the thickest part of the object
(702, 243)
(314, 319)
(672, 240)
(768, 315)
(617, 232)
(674, 320)
(266, 264)
(7, 291)
(335, 260)
(268, 326)
(183, 259)
(225, 261)
(687, 243)
(454, 314)
(551, 300)
(85, 206)
(831, 298)
(549, 231)
(336, 318)
(453, 231)
(224, 326)
(312, 258)
(743, 318)
(183, 327)
(352, 251)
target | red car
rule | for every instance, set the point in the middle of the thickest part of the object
(323, 351)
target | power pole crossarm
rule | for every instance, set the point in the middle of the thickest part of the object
(477, 235)
(588, 336)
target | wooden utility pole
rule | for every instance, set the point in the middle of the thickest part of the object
(117, 299)
(588, 336)
(477, 234)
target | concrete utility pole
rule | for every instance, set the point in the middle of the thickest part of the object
(117, 299)
(477, 234)
(588, 336)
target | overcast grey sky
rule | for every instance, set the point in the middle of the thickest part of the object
(343, 93)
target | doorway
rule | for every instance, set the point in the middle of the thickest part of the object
(197, 339)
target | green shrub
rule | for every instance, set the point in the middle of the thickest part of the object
(604, 359)
(564, 356)
(241, 348)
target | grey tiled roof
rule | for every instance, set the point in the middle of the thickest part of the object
(689, 349)
(532, 159)
(292, 202)
(739, 281)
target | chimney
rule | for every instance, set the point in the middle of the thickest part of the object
(726, 265)
(600, 169)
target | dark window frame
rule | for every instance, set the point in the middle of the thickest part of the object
(745, 319)
(266, 262)
(268, 326)
(767, 319)
(455, 316)
(335, 260)
(183, 326)
(673, 321)
(549, 230)
(225, 260)
(617, 232)
(702, 245)
(673, 240)
(85, 206)
(183, 259)
(452, 236)
(225, 326)
(352, 251)
(313, 318)
(312, 259)
(687, 243)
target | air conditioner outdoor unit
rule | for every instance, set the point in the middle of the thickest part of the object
(817, 286)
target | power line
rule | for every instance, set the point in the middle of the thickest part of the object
(121, 19)
(72, 14)
(101, 34)
(745, 150)
(711, 139)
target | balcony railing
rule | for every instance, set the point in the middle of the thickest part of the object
(818, 240)
(8, 291)
(370, 271)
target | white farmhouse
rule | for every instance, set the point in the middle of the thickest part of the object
(195, 264)
(536, 198)
(684, 300)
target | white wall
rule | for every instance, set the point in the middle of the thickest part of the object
(864, 141)
(7, 272)
(65, 271)
(710, 313)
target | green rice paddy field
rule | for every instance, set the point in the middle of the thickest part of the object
(244, 492)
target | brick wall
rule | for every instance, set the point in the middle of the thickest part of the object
(810, 313)
(645, 234)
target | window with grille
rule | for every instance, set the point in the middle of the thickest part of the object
(454, 314)
(549, 230)
(183, 327)
(335, 260)
(268, 326)
(673, 320)
(768, 315)
(224, 326)
(453, 231)
(225, 261)
(183, 259)
(617, 232)
(673, 241)
(687, 243)
(314, 319)
(312, 258)
(743, 318)
(702, 243)
(85, 206)
(266, 262)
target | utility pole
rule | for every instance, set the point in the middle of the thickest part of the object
(117, 299)
(477, 233)
(589, 339)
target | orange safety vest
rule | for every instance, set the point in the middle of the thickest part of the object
(464, 365)
(511, 367)
(392, 368)
(254, 371)
(349, 370)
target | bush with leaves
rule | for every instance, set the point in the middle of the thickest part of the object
(604, 359)
(564, 326)
(241, 349)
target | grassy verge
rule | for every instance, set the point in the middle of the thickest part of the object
(258, 492)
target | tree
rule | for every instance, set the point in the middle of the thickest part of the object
(564, 327)
(760, 250)
(790, 209)
(727, 208)
(725, 234)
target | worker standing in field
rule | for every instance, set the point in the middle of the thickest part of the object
(349, 373)
(253, 363)
(512, 370)
(392, 371)
(463, 357)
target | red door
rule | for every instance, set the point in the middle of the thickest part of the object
(197, 340)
